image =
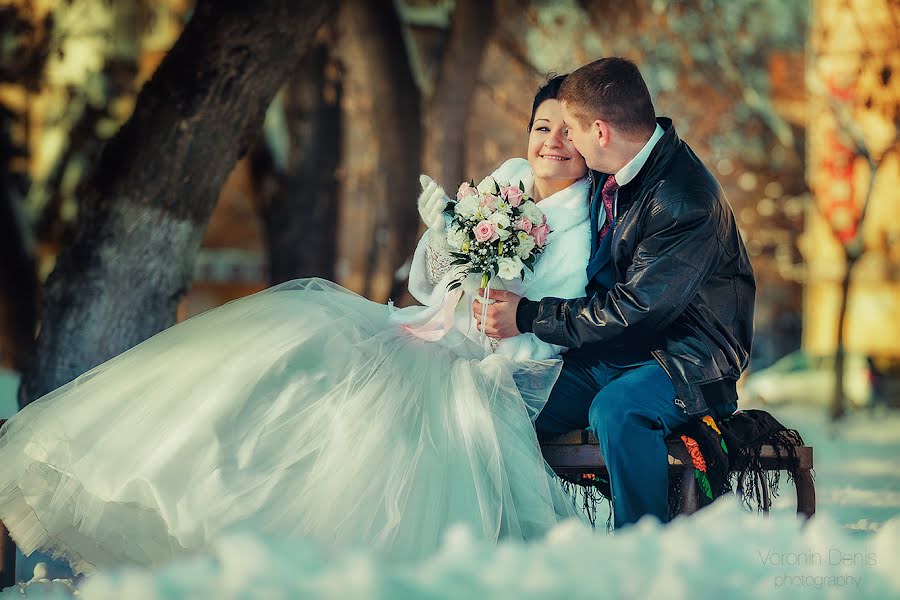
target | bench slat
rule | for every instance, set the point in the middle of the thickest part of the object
(583, 457)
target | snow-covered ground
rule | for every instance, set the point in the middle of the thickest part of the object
(850, 549)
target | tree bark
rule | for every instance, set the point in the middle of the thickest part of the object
(297, 184)
(382, 125)
(839, 400)
(18, 284)
(444, 148)
(27, 43)
(145, 208)
(448, 107)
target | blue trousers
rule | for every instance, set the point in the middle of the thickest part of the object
(631, 409)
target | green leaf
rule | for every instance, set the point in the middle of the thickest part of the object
(703, 483)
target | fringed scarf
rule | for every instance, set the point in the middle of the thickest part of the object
(588, 489)
(749, 431)
(725, 456)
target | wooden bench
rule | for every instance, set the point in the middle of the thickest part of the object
(578, 452)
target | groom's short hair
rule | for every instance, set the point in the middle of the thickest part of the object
(612, 90)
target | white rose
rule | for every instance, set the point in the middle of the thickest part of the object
(456, 237)
(500, 219)
(487, 186)
(532, 213)
(504, 233)
(510, 268)
(526, 245)
(467, 206)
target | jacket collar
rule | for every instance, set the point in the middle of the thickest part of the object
(653, 168)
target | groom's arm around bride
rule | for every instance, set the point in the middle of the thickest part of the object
(665, 328)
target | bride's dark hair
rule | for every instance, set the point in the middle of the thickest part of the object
(548, 91)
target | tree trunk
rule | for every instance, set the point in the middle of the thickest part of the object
(382, 125)
(26, 41)
(444, 152)
(18, 285)
(296, 176)
(145, 208)
(447, 110)
(839, 399)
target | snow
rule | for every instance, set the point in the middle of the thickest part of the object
(849, 549)
(722, 550)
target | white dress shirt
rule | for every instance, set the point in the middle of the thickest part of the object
(630, 171)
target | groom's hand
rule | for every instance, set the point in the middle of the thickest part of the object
(501, 314)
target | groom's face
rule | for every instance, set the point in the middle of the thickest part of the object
(583, 139)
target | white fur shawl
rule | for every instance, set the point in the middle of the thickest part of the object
(559, 271)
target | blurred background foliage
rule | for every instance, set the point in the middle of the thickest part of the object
(793, 105)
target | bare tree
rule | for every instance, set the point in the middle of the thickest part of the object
(853, 251)
(26, 43)
(382, 126)
(144, 210)
(850, 236)
(861, 85)
(295, 167)
(447, 110)
(18, 282)
(448, 105)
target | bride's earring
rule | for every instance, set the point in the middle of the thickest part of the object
(590, 178)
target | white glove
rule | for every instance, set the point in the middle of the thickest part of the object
(432, 202)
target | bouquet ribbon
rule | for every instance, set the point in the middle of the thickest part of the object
(485, 302)
(437, 326)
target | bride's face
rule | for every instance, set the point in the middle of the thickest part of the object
(550, 153)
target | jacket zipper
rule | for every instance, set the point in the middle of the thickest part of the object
(657, 354)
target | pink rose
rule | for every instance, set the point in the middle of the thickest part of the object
(523, 224)
(465, 189)
(486, 232)
(514, 196)
(540, 234)
(488, 201)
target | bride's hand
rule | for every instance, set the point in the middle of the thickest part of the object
(501, 314)
(432, 202)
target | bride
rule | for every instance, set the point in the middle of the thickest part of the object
(306, 410)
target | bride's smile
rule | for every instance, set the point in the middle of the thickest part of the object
(553, 158)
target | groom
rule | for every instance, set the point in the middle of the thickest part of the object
(664, 332)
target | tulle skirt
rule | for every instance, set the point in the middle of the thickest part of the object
(303, 411)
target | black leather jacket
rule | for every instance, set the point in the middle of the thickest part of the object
(684, 287)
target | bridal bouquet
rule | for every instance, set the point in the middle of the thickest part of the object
(495, 229)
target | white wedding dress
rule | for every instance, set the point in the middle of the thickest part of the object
(303, 410)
